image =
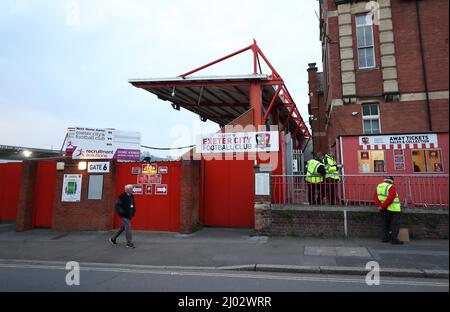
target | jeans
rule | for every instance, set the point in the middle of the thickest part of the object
(126, 226)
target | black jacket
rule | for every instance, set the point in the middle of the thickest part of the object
(123, 206)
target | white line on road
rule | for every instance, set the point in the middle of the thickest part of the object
(228, 275)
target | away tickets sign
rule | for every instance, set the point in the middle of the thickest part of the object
(399, 139)
(239, 142)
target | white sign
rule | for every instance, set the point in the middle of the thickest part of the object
(399, 141)
(98, 167)
(294, 165)
(90, 143)
(238, 142)
(262, 184)
(71, 191)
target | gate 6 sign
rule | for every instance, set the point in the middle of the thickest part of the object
(98, 167)
(161, 189)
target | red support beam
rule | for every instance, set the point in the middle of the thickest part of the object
(271, 105)
(216, 61)
(287, 119)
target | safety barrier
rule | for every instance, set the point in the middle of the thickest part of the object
(358, 190)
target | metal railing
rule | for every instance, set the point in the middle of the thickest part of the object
(418, 190)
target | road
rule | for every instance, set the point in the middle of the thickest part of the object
(51, 276)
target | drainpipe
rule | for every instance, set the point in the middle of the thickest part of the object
(424, 67)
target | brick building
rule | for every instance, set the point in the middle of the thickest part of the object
(385, 69)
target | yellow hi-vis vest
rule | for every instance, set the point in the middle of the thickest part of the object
(312, 175)
(383, 192)
(331, 168)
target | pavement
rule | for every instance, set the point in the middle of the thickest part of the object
(227, 250)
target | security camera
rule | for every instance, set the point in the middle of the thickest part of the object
(355, 113)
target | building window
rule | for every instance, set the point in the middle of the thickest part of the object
(427, 161)
(371, 161)
(364, 36)
(371, 119)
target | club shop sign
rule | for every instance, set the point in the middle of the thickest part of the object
(239, 142)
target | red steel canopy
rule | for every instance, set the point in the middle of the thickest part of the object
(222, 99)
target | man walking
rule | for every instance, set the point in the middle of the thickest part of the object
(315, 171)
(125, 208)
(331, 178)
(387, 199)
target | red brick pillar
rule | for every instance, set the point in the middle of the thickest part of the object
(189, 195)
(24, 219)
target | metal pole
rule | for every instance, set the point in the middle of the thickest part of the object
(345, 224)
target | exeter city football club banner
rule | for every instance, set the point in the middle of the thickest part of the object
(91, 143)
(398, 141)
(239, 142)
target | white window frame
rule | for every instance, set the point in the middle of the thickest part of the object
(371, 117)
(367, 17)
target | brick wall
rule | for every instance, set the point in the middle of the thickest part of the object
(434, 17)
(302, 221)
(333, 82)
(24, 218)
(189, 195)
(317, 111)
(409, 114)
(87, 214)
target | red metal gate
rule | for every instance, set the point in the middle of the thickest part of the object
(44, 193)
(10, 177)
(154, 212)
(229, 188)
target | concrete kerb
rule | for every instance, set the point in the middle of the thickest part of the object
(339, 270)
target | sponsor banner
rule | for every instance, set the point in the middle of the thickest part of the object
(239, 142)
(93, 143)
(98, 167)
(71, 191)
(398, 141)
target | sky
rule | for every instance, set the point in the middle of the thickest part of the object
(67, 63)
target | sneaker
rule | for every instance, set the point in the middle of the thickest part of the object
(385, 240)
(396, 242)
(112, 241)
(131, 245)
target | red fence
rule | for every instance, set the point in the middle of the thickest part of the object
(357, 190)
